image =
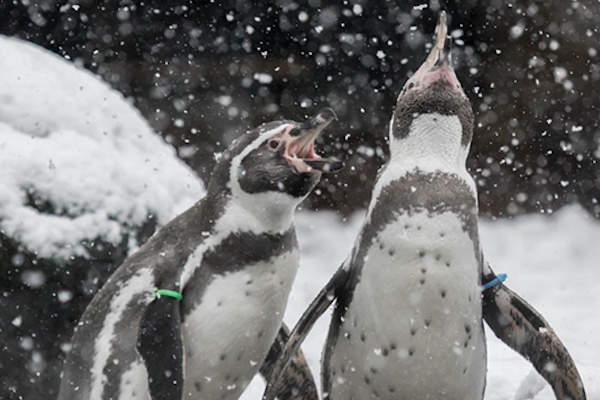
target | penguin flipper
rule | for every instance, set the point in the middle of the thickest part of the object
(522, 328)
(297, 382)
(161, 347)
(318, 306)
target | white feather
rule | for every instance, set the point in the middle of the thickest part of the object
(141, 282)
(228, 335)
(390, 300)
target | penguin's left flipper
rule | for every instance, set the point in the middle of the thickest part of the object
(318, 306)
(297, 382)
(160, 345)
(522, 328)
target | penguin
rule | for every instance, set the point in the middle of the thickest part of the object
(411, 297)
(194, 312)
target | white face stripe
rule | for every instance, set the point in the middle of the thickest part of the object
(246, 212)
(234, 185)
(278, 215)
(142, 281)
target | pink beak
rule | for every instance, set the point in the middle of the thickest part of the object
(300, 148)
(438, 65)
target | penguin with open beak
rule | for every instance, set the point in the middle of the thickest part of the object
(194, 312)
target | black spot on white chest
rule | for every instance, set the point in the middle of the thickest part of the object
(417, 300)
(228, 333)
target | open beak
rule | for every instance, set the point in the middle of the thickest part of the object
(300, 145)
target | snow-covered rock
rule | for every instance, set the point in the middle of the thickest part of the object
(77, 160)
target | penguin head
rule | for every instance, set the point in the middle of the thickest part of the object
(434, 90)
(277, 161)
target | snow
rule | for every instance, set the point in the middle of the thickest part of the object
(552, 261)
(69, 139)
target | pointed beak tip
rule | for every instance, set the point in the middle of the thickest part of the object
(443, 42)
(442, 18)
(327, 114)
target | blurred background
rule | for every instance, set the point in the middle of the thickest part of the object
(202, 72)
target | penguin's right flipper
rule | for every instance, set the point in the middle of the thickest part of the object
(523, 329)
(318, 306)
(297, 382)
(161, 346)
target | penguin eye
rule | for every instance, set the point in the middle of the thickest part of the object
(274, 144)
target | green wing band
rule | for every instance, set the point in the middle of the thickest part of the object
(168, 293)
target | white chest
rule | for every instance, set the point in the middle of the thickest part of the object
(413, 329)
(228, 335)
(421, 262)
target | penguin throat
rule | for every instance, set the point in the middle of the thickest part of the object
(433, 140)
(272, 211)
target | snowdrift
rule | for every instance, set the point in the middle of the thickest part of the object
(78, 161)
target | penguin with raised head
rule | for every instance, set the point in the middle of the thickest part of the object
(193, 313)
(412, 296)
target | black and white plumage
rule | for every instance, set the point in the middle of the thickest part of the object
(233, 256)
(408, 318)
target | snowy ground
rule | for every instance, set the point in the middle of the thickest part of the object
(551, 261)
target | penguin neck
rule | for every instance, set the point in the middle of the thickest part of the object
(433, 143)
(236, 210)
(268, 212)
